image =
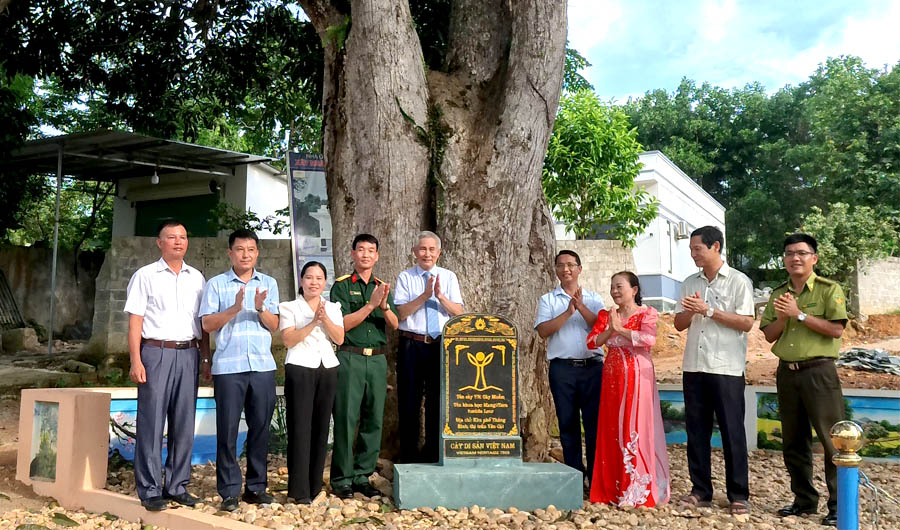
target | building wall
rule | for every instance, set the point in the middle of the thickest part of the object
(209, 255)
(28, 271)
(876, 287)
(267, 191)
(662, 254)
(600, 259)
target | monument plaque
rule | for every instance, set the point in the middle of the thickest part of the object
(480, 415)
(481, 445)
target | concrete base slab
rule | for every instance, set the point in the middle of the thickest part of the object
(488, 483)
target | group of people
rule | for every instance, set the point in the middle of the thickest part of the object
(614, 393)
(335, 366)
(601, 373)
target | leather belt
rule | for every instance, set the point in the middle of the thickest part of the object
(421, 338)
(368, 352)
(809, 363)
(581, 362)
(172, 344)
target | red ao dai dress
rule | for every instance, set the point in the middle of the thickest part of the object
(631, 467)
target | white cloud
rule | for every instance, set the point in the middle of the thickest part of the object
(590, 21)
(716, 19)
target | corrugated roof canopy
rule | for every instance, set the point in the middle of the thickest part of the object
(112, 155)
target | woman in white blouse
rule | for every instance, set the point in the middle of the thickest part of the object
(309, 325)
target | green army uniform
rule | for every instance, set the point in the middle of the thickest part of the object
(809, 391)
(362, 384)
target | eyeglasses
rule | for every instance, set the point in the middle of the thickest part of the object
(569, 266)
(803, 254)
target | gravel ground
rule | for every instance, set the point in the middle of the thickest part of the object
(768, 482)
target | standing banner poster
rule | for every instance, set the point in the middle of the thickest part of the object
(310, 218)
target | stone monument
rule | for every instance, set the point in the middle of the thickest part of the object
(481, 448)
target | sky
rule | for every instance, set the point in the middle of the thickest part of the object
(639, 45)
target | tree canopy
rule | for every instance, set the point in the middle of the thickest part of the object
(590, 167)
(770, 158)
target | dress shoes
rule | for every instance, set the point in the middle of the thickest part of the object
(367, 490)
(257, 497)
(342, 492)
(830, 519)
(793, 509)
(155, 504)
(229, 505)
(184, 499)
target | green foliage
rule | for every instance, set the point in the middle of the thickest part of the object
(573, 81)
(85, 216)
(229, 218)
(770, 158)
(846, 235)
(590, 167)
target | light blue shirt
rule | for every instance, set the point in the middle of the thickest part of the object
(570, 342)
(243, 344)
(411, 283)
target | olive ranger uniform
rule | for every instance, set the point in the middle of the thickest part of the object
(809, 391)
(362, 384)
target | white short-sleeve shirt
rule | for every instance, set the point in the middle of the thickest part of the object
(316, 349)
(411, 284)
(711, 347)
(169, 302)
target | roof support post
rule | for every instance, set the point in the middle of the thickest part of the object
(59, 176)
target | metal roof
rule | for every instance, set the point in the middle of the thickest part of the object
(106, 155)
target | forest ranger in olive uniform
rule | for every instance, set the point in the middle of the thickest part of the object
(805, 318)
(362, 376)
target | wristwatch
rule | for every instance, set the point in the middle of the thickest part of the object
(261, 309)
(710, 312)
(801, 317)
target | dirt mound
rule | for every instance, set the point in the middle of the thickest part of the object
(885, 325)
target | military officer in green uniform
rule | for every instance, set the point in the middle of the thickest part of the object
(362, 376)
(805, 318)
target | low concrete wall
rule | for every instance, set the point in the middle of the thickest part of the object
(600, 259)
(876, 287)
(28, 271)
(209, 255)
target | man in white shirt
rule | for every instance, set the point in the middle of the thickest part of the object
(565, 316)
(426, 297)
(166, 344)
(716, 307)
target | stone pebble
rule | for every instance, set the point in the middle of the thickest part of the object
(769, 486)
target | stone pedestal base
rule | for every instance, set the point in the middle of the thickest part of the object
(490, 483)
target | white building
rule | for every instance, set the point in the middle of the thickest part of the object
(189, 196)
(662, 254)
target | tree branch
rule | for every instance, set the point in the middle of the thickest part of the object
(478, 39)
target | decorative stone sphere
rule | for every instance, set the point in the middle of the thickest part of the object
(847, 436)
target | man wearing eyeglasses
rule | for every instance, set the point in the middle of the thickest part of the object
(805, 318)
(565, 316)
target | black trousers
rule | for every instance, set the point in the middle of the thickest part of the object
(418, 376)
(309, 398)
(809, 396)
(576, 395)
(254, 394)
(708, 396)
(170, 394)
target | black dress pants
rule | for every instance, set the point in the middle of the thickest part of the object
(418, 376)
(309, 398)
(708, 396)
(809, 396)
(576, 395)
(252, 393)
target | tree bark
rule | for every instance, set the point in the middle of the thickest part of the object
(459, 152)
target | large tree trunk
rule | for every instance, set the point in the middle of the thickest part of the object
(459, 152)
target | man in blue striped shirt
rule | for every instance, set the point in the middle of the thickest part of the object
(241, 306)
